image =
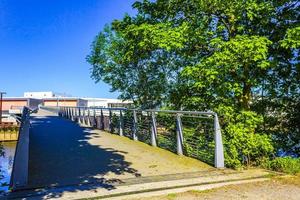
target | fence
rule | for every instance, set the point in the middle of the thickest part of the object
(9, 132)
(19, 174)
(194, 134)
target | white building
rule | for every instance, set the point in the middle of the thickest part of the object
(42, 95)
(106, 103)
(57, 99)
(39, 95)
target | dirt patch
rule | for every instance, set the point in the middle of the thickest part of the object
(275, 189)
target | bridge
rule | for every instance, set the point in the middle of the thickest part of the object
(73, 152)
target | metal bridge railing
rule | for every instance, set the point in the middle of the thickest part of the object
(190, 133)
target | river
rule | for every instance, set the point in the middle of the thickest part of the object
(6, 164)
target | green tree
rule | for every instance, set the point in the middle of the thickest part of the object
(239, 58)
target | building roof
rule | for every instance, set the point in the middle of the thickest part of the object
(62, 98)
(18, 98)
(107, 100)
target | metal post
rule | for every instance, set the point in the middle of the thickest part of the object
(121, 124)
(135, 123)
(95, 119)
(179, 135)
(111, 128)
(153, 130)
(59, 111)
(219, 152)
(86, 116)
(72, 114)
(89, 120)
(79, 115)
(1, 99)
(76, 114)
(83, 116)
(68, 113)
(102, 120)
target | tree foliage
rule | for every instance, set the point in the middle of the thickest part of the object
(239, 58)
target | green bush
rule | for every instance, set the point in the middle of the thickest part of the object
(243, 143)
(284, 164)
(199, 143)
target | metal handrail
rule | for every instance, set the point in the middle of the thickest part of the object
(146, 110)
(107, 119)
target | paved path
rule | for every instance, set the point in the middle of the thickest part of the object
(63, 153)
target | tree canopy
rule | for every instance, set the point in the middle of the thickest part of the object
(239, 58)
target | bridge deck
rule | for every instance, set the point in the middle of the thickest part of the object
(63, 153)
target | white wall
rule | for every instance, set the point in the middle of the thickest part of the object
(101, 102)
(38, 95)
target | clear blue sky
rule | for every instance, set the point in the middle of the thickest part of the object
(43, 44)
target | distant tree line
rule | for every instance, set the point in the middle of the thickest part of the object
(239, 58)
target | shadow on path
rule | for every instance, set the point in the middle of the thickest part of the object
(60, 155)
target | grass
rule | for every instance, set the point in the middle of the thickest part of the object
(287, 181)
(171, 196)
(287, 165)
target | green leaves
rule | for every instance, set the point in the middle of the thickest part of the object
(239, 51)
(292, 38)
(233, 70)
(157, 36)
(238, 58)
(244, 144)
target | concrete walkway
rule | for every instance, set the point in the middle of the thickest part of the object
(63, 153)
(69, 161)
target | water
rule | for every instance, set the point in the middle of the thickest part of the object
(6, 164)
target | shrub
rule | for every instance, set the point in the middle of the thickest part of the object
(244, 145)
(284, 164)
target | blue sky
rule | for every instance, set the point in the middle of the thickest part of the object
(43, 44)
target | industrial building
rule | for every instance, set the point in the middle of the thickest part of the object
(107, 103)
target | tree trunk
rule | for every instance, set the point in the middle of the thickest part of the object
(246, 97)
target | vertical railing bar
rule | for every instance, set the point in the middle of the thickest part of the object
(79, 115)
(102, 120)
(70, 113)
(179, 135)
(83, 115)
(94, 118)
(110, 124)
(73, 114)
(88, 121)
(219, 152)
(153, 130)
(135, 124)
(121, 124)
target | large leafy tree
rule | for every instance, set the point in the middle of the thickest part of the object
(237, 57)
